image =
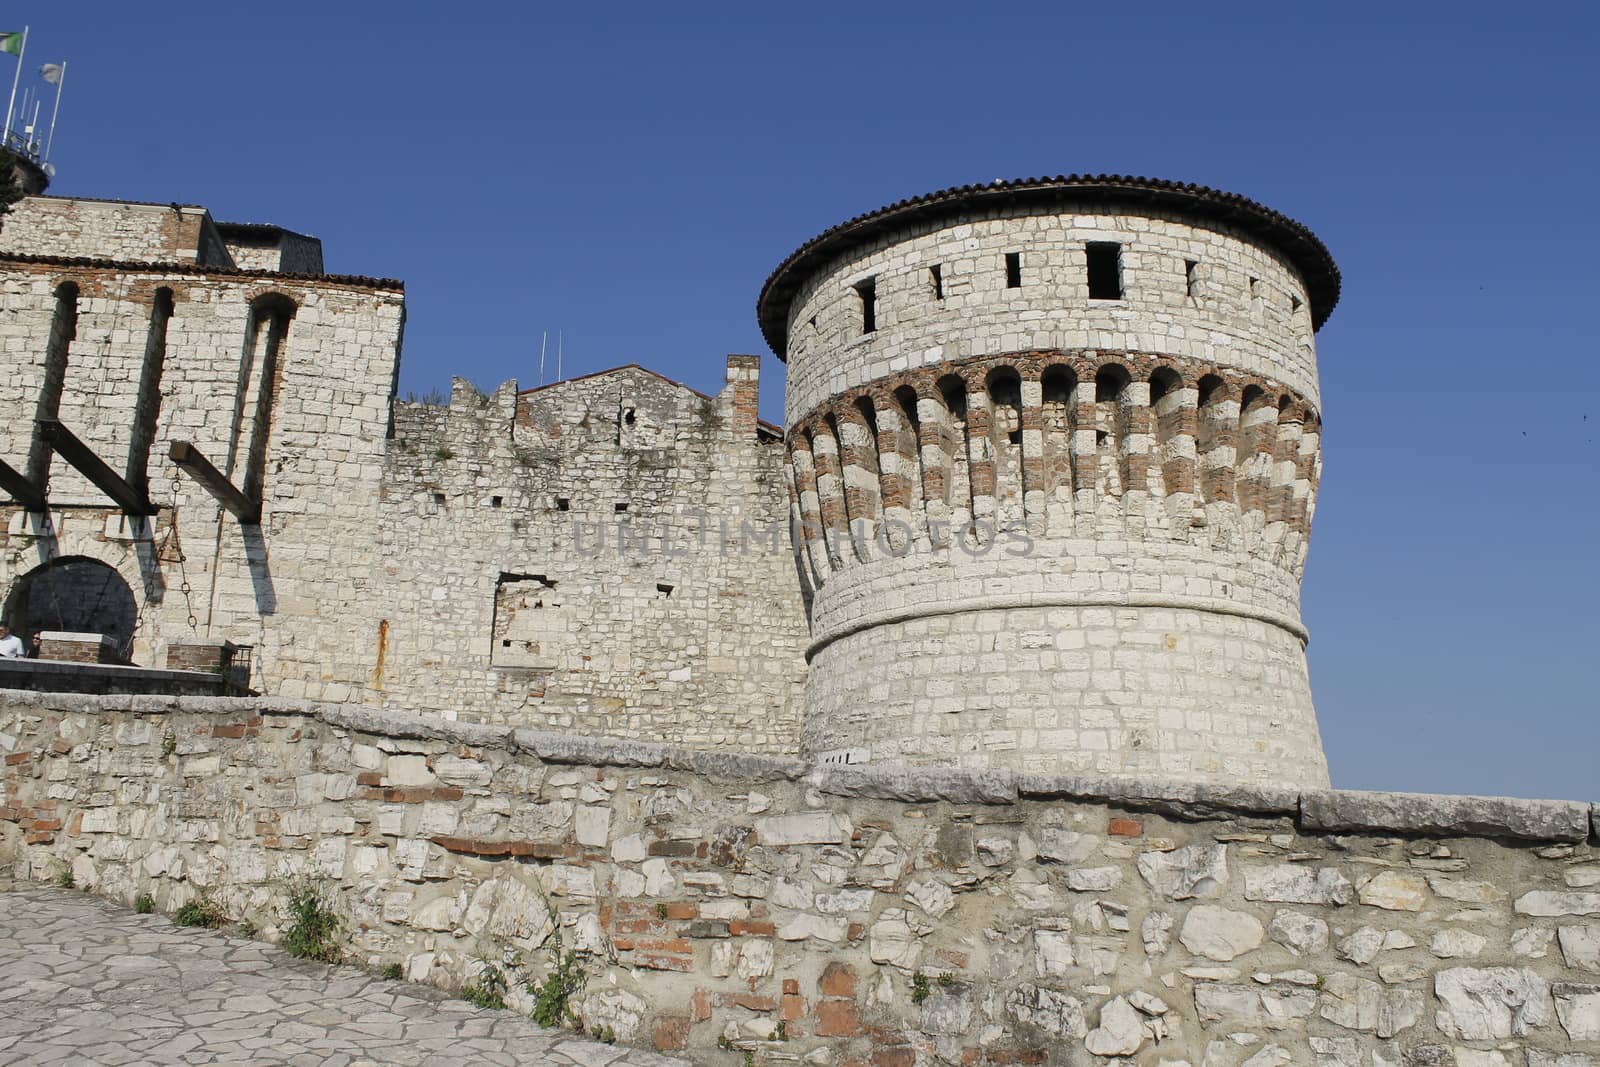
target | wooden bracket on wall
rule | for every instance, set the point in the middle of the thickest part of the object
(65, 444)
(21, 488)
(188, 457)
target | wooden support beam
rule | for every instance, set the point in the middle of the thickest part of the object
(188, 457)
(65, 444)
(20, 488)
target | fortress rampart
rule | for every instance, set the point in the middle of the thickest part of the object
(730, 904)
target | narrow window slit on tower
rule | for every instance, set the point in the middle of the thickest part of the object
(1189, 266)
(1294, 304)
(664, 589)
(496, 501)
(620, 506)
(936, 279)
(438, 498)
(867, 290)
(1013, 270)
(629, 416)
(563, 503)
(1105, 270)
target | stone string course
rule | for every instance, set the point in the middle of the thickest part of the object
(846, 915)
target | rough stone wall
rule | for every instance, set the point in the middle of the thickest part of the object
(1047, 531)
(607, 555)
(394, 549)
(110, 229)
(256, 247)
(845, 914)
(286, 588)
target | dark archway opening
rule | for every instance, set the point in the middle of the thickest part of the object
(75, 594)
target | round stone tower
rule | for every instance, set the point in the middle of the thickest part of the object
(1054, 450)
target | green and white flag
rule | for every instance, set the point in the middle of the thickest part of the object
(11, 41)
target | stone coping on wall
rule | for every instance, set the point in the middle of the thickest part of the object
(1329, 811)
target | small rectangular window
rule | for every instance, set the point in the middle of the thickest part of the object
(1013, 270)
(936, 280)
(563, 503)
(1105, 270)
(620, 506)
(867, 290)
(1189, 266)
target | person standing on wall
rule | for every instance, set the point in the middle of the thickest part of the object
(10, 643)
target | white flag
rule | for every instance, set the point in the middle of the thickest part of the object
(51, 72)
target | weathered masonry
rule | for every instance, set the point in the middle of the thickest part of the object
(1054, 447)
(204, 451)
(844, 915)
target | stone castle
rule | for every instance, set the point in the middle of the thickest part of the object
(1048, 474)
(613, 672)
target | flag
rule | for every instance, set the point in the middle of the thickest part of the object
(11, 41)
(51, 72)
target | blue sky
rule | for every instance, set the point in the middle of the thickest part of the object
(629, 174)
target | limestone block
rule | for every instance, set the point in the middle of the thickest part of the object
(1551, 903)
(1580, 945)
(1300, 934)
(1489, 1003)
(1120, 1032)
(1192, 872)
(817, 827)
(1578, 1008)
(1053, 1012)
(1292, 884)
(1344, 810)
(1219, 933)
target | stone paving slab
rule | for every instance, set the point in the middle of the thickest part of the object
(86, 981)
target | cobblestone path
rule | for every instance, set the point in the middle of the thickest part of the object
(86, 981)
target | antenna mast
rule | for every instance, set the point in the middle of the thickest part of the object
(544, 338)
(15, 79)
(61, 78)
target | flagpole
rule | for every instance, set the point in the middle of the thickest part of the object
(55, 111)
(15, 78)
(542, 341)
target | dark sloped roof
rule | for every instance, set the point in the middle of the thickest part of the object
(113, 200)
(352, 280)
(259, 229)
(1290, 238)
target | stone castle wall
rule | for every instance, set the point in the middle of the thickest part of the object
(146, 356)
(1050, 531)
(844, 915)
(404, 551)
(607, 555)
(116, 230)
